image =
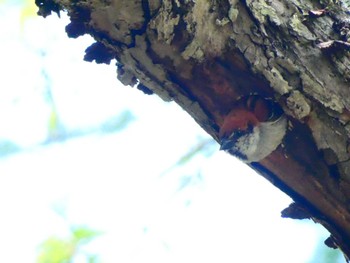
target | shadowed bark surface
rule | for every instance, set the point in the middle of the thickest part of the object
(204, 55)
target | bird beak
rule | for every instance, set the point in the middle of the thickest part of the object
(226, 144)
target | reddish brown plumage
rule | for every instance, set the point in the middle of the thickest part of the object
(247, 111)
(237, 119)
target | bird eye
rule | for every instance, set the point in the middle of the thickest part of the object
(232, 135)
(275, 111)
(251, 102)
(236, 134)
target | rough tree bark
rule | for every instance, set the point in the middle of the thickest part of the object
(205, 54)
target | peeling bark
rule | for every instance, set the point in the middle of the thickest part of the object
(206, 54)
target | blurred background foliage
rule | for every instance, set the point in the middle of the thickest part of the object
(65, 250)
(69, 247)
(56, 129)
(323, 254)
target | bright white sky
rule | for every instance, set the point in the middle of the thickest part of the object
(113, 182)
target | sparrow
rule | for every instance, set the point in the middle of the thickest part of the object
(253, 129)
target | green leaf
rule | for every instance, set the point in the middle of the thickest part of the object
(59, 250)
(203, 147)
(83, 234)
(206, 147)
(55, 250)
(29, 10)
(53, 121)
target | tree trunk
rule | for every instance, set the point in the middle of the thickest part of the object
(205, 54)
